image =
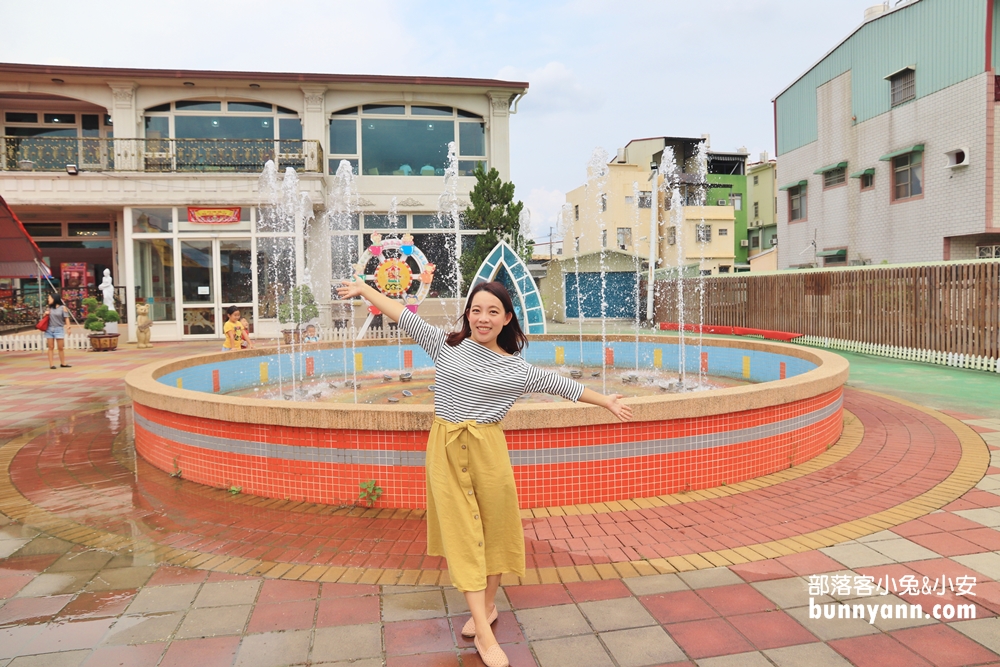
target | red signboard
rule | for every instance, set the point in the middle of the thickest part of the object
(213, 216)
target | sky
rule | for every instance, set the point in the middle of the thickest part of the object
(600, 72)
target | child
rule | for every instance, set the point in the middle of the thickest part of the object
(246, 345)
(311, 335)
(232, 330)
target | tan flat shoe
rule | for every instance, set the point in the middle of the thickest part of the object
(495, 657)
(469, 629)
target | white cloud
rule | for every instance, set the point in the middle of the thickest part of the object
(544, 206)
(554, 88)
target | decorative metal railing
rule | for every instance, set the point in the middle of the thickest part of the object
(157, 155)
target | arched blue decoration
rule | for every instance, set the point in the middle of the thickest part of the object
(503, 262)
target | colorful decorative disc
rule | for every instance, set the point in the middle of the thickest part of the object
(393, 277)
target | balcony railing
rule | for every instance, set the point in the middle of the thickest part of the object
(157, 155)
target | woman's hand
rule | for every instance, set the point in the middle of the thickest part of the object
(617, 408)
(349, 289)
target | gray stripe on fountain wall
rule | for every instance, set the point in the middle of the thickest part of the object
(384, 457)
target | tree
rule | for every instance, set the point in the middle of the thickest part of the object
(493, 210)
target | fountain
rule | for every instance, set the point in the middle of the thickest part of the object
(224, 420)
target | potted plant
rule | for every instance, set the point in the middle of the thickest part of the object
(98, 317)
(298, 307)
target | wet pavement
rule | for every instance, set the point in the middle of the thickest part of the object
(105, 560)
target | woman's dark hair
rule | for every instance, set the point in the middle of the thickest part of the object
(56, 300)
(231, 310)
(511, 338)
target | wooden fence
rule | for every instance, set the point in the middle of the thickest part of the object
(949, 307)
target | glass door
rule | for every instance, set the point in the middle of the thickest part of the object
(236, 279)
(199, 298)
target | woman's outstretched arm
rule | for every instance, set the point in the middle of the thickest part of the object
(358, 287)
(611, 402)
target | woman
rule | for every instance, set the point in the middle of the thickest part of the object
(58, 328)
(472, 512)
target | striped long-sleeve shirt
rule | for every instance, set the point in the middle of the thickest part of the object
(474, 382)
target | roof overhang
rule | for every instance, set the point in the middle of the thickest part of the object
(831, 167)
(870, 171)
(900, 71)
(797, 184)
(916, 148)
(839, 252)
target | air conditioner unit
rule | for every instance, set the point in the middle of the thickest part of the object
(774, 240)
(722, 202)
(744, 243)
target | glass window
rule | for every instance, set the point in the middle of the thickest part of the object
(159, 108)
(604, 238)
(343, 137)
(440, 250)
(468, 167)
(432, 222)
(152, 220)
(289, 128)
(199, 321)
(20, 117)
(723, 231)
(275, 273)
(61, 118)
(349, 111)
(154, 277)
(907, 172)
(867, 181)
(91, 124)
(405, 147)
(624, 237)
(755, 241)
(834, 177)
(469, 114)
(41, 132)
(223, 127)
(90, 229)
(341, 221)
(235, 271)
(736, 201)
(703, 233)
(196, 105)
(157, 127)
(286, 110)
(384, 109)
(383, 221)
(249, 106)
(645, 200)
(756, 210)
(38, 229)
(797, 203)
(671, 236)
(431, 111)
(335, 164)
(472, 138)
(344, 255)
(196, 271)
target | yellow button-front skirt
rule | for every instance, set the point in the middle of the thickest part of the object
(472, 514)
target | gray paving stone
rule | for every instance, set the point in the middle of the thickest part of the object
(455, 599)
(985, 631)
(370, 662)
(813, 655)
(396, 590)
(16, 531)
(347, 642)
(44, 545)
(214, 621)
(274, 649)
(878, 537)
(989, 517)
(638, 647)
(226, 593)
(549, 622)
(903, 550)
(710, 578)
(836, 628)
(989, 483)
(751, 659)
(788, 593)
(113, 579)
(986, 563)
(91, 560)
(889, 624)
(585, 650)
(655, 584)
(143, 629)
(616, 614)
(61, 659)
(854, 554)
(163, 598)
(10, 546)
(413, 606)
(55, 584)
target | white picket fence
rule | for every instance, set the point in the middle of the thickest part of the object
(952, 359)
(35, 342)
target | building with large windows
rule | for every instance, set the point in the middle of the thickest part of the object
(156, 176)
(887, 146)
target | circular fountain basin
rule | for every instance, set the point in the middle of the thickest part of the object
(561, 453)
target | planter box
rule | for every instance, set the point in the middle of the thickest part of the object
(104, 342)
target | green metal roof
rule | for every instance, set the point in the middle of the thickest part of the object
(917, 148)
(870, 171)
(796, 184)
(831, 167)
(841, 252)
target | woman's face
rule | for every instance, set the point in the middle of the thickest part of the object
(51, 300)
(487, 318)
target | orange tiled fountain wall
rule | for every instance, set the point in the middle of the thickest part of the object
(573, 456)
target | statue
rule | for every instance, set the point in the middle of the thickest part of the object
(142, 325)
(108, 290)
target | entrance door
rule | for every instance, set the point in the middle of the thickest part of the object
(215, 274)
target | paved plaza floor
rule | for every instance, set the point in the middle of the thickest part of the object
(105, 560)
